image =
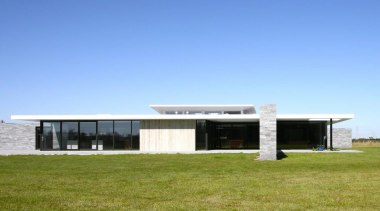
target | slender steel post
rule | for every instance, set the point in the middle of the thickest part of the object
(331, 134)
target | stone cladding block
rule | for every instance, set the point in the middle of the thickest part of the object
(268, 132)
(17, 136)
(342, 138)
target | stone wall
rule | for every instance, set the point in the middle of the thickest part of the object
(342, 138)
(167, 135)
(268, 132)
(17, 136)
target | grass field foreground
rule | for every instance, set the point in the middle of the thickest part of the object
(325, 181)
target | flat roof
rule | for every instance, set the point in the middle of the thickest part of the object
(315, 117)
(247, 108)
(212, 117)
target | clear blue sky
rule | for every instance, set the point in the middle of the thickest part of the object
(117, 57)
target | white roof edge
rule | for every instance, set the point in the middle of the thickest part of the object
(315, 116)
(203, 108)
(135, 117)
(200, 105)
(237, 117)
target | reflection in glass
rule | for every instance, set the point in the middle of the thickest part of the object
(70, 135)
(52, 135)
(87, 135)
(122, 135)
(91, 135)
(300, 135)
(105, 135)
(214, 135)
(201, 135)
(136, 135)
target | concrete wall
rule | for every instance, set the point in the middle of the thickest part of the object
(342, 138)
(167, 135)
(268, 132)
(17, 136)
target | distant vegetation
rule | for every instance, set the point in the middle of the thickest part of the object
(366, 142)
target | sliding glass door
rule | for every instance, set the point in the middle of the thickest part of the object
(51, 137)
(105, 135)
(90, 135)
(87, 136)
(70, 137)
(122, 135)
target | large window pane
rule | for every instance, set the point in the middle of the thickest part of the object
(201, 134)
(87, 136)
(136, 135)
(105, 135)
(212, 135)
(52, 135)
(122, 135)
(70, 136)
(300, 135)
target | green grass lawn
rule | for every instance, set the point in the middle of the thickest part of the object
(206, 181)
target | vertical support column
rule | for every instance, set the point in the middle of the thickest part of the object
(331, 134)
(268, 132)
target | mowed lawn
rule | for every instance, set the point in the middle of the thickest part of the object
(179, 181)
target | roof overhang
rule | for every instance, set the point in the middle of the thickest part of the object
(315, 117)
(218, 118)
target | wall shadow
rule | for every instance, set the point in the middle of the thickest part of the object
(281, 155)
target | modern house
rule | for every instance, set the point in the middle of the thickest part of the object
(186, 128)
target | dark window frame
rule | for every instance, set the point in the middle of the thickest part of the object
(61, 148)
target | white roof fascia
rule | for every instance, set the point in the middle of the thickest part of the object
(215, 117)
(162, 108)
(218, 117)
(315, 117)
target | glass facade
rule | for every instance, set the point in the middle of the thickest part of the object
(105, 135)
(70, 136)
(301, 135)
(201, 135)
(136, 135)
(216, 135)
(90, 135)
(87, 135)
(290, 135)
(122, 135)
(51, 136)
(125, 135)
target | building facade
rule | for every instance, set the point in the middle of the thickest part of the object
(186, 128)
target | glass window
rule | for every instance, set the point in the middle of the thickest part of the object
(51, 135)
(122, 135)
(201, 135)
(300, 135)
(211, 135)
(87, 136)
(105, 135)
(136, 135)
(70, 136)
